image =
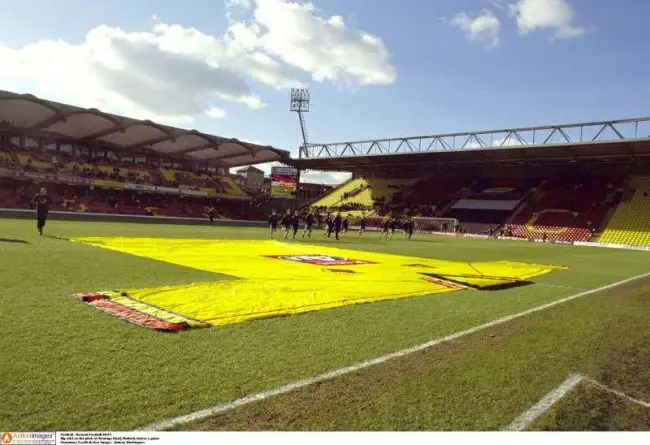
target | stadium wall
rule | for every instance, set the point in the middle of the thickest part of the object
(107, 217)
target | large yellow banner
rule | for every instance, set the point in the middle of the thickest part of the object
(272, 278)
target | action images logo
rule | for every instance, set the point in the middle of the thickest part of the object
(321, 260)
(7, 438)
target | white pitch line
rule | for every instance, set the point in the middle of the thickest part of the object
(525, 419)
(618, 393)
(559, 286)
(227, 406)
(528, 417)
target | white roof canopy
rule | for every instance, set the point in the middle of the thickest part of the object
(29, 115)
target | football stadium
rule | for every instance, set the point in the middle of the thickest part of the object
(482, 281)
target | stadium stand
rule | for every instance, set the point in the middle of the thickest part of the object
(363, 195)
(571, 207)
(98, 185)
(431, 196)
(93, 161)
(630, 223)
(487, 204)
(567, 208)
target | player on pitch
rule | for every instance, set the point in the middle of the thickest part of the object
(393, 227)
(295, 224)
(286, 223)
(338, 224)
(329, 226)
(309, 224)
(362, 225)
(42, 204)
(385, 227)
(273, 223)
(409, 226)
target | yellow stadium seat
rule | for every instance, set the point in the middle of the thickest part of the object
(630, 223)
(373, 190)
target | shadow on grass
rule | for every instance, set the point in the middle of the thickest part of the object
(13, 240)
(463, 281)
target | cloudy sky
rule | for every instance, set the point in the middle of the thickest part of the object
(376, 68)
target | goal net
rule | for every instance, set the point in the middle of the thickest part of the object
(442, 225)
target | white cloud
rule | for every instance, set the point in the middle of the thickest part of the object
(324, 47)
(216, 113)
(557, 15)
(483, 27)
(173, 73)
(245, 4)
(511, 142)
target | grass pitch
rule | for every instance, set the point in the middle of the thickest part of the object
(67, 366)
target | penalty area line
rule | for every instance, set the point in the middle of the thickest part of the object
(228, 406)
(618, 393)
(526, 418)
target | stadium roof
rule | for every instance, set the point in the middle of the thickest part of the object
(30, 115)
(627, 139)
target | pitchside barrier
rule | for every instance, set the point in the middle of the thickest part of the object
(112, 217)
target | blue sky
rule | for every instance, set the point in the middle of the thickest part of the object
(430, 67)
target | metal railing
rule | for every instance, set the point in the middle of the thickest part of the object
(580, 133)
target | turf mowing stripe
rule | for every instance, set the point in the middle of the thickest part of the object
(617, 393)
(528, 417)
(223, 407)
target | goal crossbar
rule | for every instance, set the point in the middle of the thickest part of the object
(427, 224)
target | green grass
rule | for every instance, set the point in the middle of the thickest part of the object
(67, 366)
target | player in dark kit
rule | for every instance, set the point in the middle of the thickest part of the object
(409, 226)
(362, 225)
(393, 227)
(329, 226)
(295, 223)
(345, 225)
(286, 223)
(338, 223)
(273, 223)
(42, 204)
(385, 226)
(211, 213)
(309, 223)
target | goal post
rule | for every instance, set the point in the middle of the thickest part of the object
(440, 225)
